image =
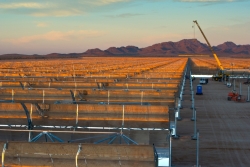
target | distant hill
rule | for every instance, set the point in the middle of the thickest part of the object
(35, 56)
(185, 46)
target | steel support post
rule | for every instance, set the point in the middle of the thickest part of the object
(170, 149)
(182, 91)
(192, 99)
(51, 159)
(31, 111)
(5, 146)
(78, 152)
(181, 95)
(248, 93)
(197, 149)
(192, 95)
(193, 108)
(194, 137)
(29, 136)
(175, 122)
(180, 103)
(179, 113)
(190, 79)
(191, 88)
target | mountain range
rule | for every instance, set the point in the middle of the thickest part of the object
(183, 47)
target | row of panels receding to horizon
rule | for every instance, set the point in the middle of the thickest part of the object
(89, 100)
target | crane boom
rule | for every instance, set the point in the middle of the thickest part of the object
(212, 50)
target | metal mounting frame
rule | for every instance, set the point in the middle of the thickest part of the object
(46, 134)
(30, 125)
(73, 97)
(5, 147)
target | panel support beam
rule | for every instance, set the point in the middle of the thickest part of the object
(73, 96)
(5, 147)
(78, 152)
(30, 125)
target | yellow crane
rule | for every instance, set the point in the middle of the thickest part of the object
(220, 75)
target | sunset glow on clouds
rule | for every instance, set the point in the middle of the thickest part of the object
(56, 36)
(84, 24)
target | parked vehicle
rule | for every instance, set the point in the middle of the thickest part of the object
(203, 80)
(247, 82)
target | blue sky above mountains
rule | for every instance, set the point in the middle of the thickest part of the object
(64, 26)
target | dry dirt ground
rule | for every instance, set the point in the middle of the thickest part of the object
(223, 126)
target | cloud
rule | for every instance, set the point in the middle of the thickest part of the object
(32, 5)
(46, 8)
(125, 15)
(57, 13)
(105, 2)
(57, 8)
(41, 24)
(56, 36)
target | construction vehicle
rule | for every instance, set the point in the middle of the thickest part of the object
(221, 75)
(234, 96)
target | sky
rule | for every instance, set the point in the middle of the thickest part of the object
(73, 26)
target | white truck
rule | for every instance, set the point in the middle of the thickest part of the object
(203, 80)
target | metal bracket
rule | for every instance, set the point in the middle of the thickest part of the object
(47, 134)
(78, 152)
(30, 125)
(73, 96)
(41, 109)
(113, 137)
(21, 85)
(5, 147)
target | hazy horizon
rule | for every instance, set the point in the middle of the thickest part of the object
(43, 27)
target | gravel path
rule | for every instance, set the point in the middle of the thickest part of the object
(223, 126)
